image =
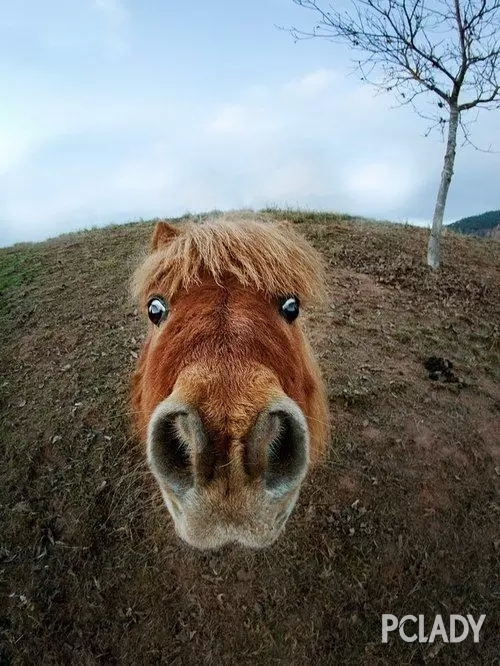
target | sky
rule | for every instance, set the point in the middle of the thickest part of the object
(116, 110)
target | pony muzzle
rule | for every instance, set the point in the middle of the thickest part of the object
(247, 498)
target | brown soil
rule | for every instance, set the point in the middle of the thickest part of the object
(402, 518)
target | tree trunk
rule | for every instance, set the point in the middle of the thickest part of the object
(433, 249)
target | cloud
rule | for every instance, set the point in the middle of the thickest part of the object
(115, 33)
(296, 177)
(273, 144)
(312, 84)
(318, 137)
(381, 184)
(318, 140)
(143, 176)
(242, 119)
(264, 109)
(113, 10)
(15, 147)
(83, 32)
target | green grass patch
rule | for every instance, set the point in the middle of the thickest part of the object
(18, 267)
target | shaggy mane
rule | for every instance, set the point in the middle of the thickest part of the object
(265, 255)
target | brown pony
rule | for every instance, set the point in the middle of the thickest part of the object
(227, 394)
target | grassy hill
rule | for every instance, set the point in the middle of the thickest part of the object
(486, 224)
(403, 517)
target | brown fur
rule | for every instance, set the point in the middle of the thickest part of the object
(267, 257)
(225, 349)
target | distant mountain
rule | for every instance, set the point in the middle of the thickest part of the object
(486, 224)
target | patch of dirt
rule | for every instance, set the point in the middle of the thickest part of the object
(402, 518)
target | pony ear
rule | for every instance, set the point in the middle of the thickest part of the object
(163, 234)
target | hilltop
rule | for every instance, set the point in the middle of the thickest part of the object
(486, 224)
(402, 518)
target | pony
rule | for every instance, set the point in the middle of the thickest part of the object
(227, 395)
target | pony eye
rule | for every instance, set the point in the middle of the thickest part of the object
(157, 310)
(289, 308)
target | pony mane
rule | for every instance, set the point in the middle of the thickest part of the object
(265, 255)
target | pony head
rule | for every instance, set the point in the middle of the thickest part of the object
(227, 395)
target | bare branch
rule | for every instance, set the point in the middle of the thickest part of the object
(449, 48)
(482, 100)
(464, 126)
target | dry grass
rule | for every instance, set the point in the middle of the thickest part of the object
(402, 518)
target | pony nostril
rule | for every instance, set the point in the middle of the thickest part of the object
(278, 447)
(287, 456)
(178, 451)
(169, 454)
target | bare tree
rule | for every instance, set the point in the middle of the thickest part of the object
(447, 48)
